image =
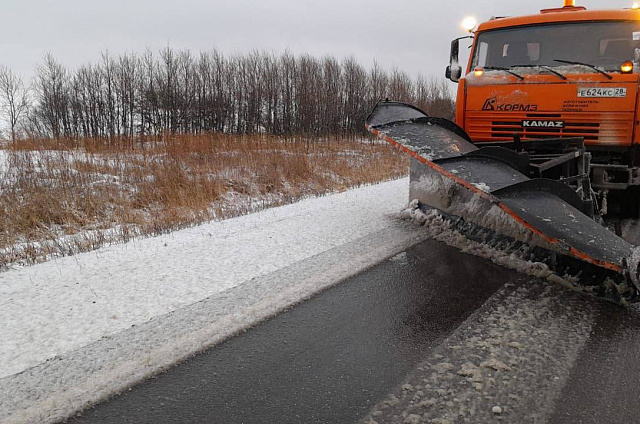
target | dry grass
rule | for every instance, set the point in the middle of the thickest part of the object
(63, 197)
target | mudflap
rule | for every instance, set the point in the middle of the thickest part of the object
(485, 195)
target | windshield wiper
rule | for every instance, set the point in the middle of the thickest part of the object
(507, 70)
(554, 72)
(595, 68)
(545, 67)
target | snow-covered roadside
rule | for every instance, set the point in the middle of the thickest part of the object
(108, 318)
(55, 307)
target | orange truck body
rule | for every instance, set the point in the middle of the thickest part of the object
(493, 106)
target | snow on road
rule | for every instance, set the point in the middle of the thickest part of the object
(508, 362)
(49, 309)
(57, 316)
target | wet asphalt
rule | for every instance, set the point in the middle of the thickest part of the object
(604, 386)
(327, 360)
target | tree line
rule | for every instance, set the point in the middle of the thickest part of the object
(175, 91)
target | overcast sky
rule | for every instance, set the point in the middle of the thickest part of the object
(412, 35)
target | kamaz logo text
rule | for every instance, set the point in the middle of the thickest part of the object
(543, 124)
(492, 104)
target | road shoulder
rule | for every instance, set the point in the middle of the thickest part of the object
(65, 384)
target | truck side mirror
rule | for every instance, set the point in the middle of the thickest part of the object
(454, 73)
(454, 70)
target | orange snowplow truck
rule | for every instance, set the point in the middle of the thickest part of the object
(557, 81)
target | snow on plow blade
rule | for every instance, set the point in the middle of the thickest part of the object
(485, 194)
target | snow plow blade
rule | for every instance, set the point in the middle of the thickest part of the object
(486, 195)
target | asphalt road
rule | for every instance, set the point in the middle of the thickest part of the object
(604, 387)
(328, 360)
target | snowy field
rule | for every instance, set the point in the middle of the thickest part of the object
(77, 329)
(62, 199)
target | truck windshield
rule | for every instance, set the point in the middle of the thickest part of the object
(602, 44)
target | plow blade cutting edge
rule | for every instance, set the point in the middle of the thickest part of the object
(484, 194)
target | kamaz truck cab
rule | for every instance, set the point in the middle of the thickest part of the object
(562, 85)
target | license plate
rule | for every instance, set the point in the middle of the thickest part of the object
(602, 92)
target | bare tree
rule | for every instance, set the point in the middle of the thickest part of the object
(14, 98)
(52, 94)
(137, 96)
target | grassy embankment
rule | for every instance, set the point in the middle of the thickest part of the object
(64, 197)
